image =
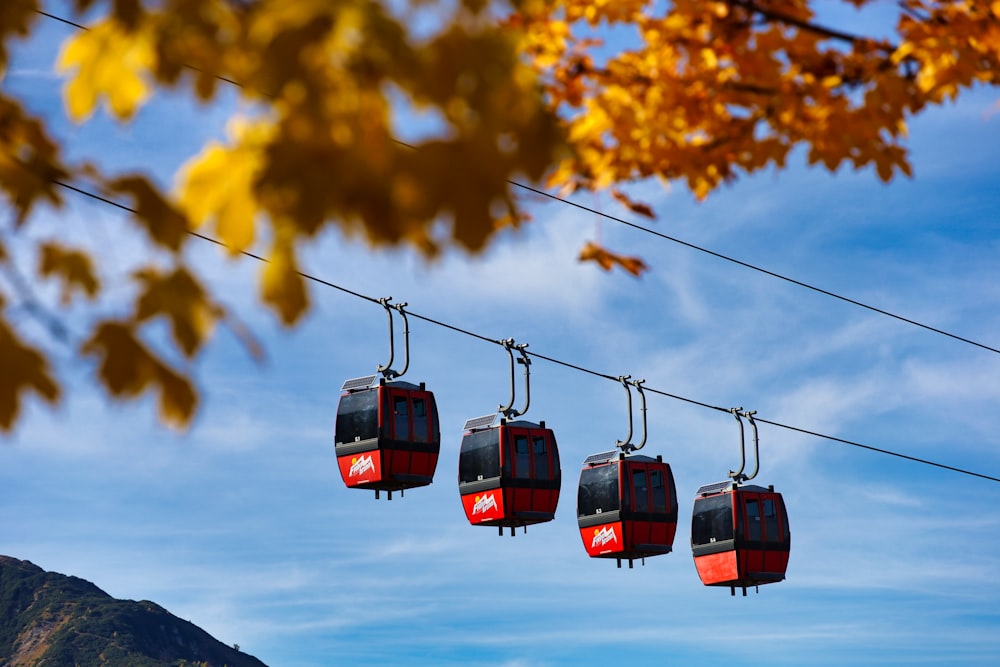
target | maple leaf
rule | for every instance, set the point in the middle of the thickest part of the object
(636, 207)
(23, 369)
(607, 260)
(109, 63)
(74, 267)
(179, 298)
(128, 369)
(282, 284)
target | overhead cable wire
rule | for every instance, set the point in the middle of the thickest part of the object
(552, 360)
(673, 239)
(754, 267)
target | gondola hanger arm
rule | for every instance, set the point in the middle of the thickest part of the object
(386, 369)
(645, 432)
(756, 445)
(625, 444)
(737, 475)
(508, 410)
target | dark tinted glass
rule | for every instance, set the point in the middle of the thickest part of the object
(785, 530)
(753, 519)
(771, 521)
(541, 458)
(640, 490)
(420, 430)
(598, 490)
(712, 520)
(522, 457)
(480, 456)
(357, 416)
(659, 490)
(401, 412)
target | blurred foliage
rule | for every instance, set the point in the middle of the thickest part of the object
(690, 90)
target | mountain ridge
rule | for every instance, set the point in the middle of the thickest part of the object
(49, 619)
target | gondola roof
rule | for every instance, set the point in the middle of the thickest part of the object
(730, 485)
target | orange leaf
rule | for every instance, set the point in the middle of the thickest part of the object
(591, 252)
(632, 205)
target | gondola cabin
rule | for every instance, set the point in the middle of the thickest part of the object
(626, 507)
(508, 474)
(739, 535)
(387, 436)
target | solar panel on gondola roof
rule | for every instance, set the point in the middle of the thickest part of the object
(358, 383)
(476, 423)
(603, 457)
(715, 488)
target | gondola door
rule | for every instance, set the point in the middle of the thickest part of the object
(531, 464)
(651, 519)
(414, 434)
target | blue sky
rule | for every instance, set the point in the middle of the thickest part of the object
(243, 525)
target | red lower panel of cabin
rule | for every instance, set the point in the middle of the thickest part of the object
(746, 567)
(388, 469)
(629, 539)
(603, 541)
(651, 537)
(511, 506)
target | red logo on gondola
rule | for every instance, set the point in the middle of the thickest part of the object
(484, 504)
(361, 466)
(604, 536)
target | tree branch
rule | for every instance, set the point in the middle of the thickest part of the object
(780, 17)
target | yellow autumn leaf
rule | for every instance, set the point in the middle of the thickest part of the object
(178, 398)
(126, 366)
(74, 268)
(282, 285)
(128, 369)
(23, 369)
(162, 222)
(179, 298)
(107, 62)
(219, 185)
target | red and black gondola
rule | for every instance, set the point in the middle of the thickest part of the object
(508, 474)
(387, 435)
(739, 532)
(626, 506)
(739, 535)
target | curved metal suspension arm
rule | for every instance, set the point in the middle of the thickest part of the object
(756, 446)
(508, 344)
(527, 378)
(386, 368)
(406, 339)
(737, 475)
(645, 432)
(508, 410)
(626, 443)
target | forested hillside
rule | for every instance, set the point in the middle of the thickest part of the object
(52, 620)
